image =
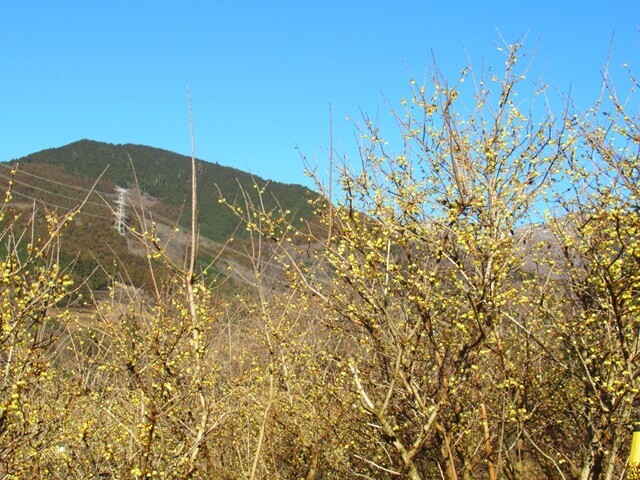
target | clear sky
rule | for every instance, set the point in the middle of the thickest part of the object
(263, 73)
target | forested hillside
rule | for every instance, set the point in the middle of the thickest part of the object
(87, 173)
(165, 176)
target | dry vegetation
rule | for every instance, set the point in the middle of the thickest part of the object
(435, 328)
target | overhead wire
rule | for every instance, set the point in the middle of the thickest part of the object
(66, 209)
(75, 187)
(61, 195)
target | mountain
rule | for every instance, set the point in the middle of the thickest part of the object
(166, 176)
(159, 181)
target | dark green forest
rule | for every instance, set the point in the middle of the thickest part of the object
(60, 179)
(165, 176)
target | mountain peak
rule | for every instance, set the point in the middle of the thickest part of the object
(164, 175)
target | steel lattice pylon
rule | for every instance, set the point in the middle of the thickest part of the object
(121, 214)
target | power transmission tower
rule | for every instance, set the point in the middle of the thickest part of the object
(121, 215)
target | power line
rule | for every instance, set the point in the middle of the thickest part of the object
(28, 185)
(75, 187)
(66, 209)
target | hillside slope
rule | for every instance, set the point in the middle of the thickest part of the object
(88, 171)
(165, 176)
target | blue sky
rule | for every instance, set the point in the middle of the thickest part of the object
(263, 73)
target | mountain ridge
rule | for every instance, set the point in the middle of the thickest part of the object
(159, 181)
(165, 175)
